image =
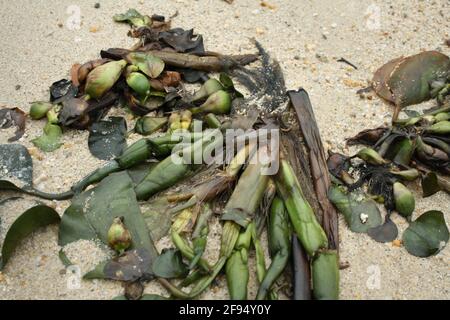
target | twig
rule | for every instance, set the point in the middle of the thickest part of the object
(347, 62)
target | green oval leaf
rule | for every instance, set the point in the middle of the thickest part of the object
(430, 184)
(427, 235)
(228, 84)
(92, 212)
(170, 265)
(31, 220)
(387, 232)
(150, 65)
(158, 217)
(361, 214)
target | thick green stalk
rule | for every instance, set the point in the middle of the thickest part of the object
(213, 187)
(164, 175)
(279, 245)
(96, 176)
(236, 268)
(200, 234)
(199, 244)
(259, 255)
(252, 181)
(188, 252)
(212, 121)
(174, 168)
(137, 153)
(325, 275)
(306, 226)
(237, 273)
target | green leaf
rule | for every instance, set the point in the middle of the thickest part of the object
(170, 265)
(147, 63)
(138, 172)
(229, 85)
(387, 232)
(64, 259)
(107, 138)
(49, 141)
(133, 17)
(427, 235)
(31, 220)
(403, 152)
(158, 218)
(237, 215)
(356, 208)
(430, 184)
(92, 212)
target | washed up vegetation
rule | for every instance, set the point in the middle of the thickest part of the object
(415, 147)
(154, 187)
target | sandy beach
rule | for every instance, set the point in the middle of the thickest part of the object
(39, 42)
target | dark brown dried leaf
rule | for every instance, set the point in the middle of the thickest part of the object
(13, 117)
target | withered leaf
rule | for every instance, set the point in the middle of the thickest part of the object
(62, 90)
(13, 117)
(183, 41)
(72, 111)
(367, 137)
(130, 266)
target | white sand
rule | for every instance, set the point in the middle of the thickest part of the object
(306, 36)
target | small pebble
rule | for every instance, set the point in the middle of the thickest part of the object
(397, 243)
(94, 29)
(260, 31)
(97, 6)
(322, 58)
